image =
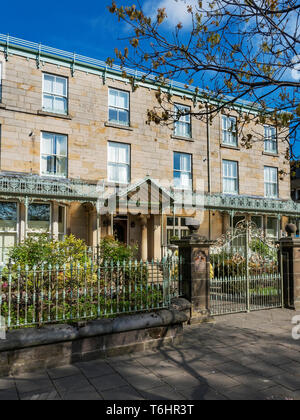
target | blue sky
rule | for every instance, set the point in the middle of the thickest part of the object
(84, 27)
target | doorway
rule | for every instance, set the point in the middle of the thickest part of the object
(121, 229)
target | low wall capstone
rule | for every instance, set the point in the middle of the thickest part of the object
(29, 349)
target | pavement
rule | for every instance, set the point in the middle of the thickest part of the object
(240, 357)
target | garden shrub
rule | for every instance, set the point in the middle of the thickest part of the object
(39, 250)
(112, 250)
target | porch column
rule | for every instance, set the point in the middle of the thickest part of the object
(110, 226)
(22, 218)
(144, 241)
(157, 238)
(55, 221)
(94, 228)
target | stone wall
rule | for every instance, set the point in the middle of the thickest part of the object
(51, 346)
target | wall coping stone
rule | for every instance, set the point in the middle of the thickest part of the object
(50, 334)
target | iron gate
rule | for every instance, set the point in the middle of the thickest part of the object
(245, 272)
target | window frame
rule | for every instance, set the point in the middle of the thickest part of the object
(114, 163)
(176, 122)
(128, 110)
(229, 132)
(55, 95)
(44, 154)
(237, 177)
(276, 236)
(64, 233)
(265, 183)
(34, 232)
(16, 232)
(253, 216)
(268, 140)
(178, 227)
(182, 171)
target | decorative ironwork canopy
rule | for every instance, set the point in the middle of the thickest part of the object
(20, 186)
(251, 204)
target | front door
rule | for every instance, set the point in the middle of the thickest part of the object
(120, 229)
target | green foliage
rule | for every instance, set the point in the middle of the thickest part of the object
(38, 250)
(112, 250)
(263, 249)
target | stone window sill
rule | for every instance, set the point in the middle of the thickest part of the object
(271, 154)
(119, 184)
(122, 127)
(2, 106)
(227, 146)
(182, 138)
(52, 114)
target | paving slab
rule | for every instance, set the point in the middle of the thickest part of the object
(41, 396)
(202, 393)
(163, 393)
(95, 368)
(85, 394)
(108, 382)
(144, 382)
(30, 382)
(126, 393)
(71, 383)
(63, 372)
(240, 357)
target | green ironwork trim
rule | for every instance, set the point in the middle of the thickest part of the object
(50, 55)
(20, 186)
(251, 204)
(35, 186)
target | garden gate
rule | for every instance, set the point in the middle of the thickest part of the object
(245, 272)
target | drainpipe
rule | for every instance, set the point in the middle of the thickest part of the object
(208, 167)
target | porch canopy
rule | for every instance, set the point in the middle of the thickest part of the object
(145, 197)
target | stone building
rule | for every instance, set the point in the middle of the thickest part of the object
(78, 157)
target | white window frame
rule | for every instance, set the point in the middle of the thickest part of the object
(56, 175)
(35, 232)
(183, 121)
(267, 182)
(119, 164)
(64, 233)
(268, 235)
(230, 178)
(229, 131)
(182, 171)
(118, 108)
(55, 95)
(16, 232)
(270, 136)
